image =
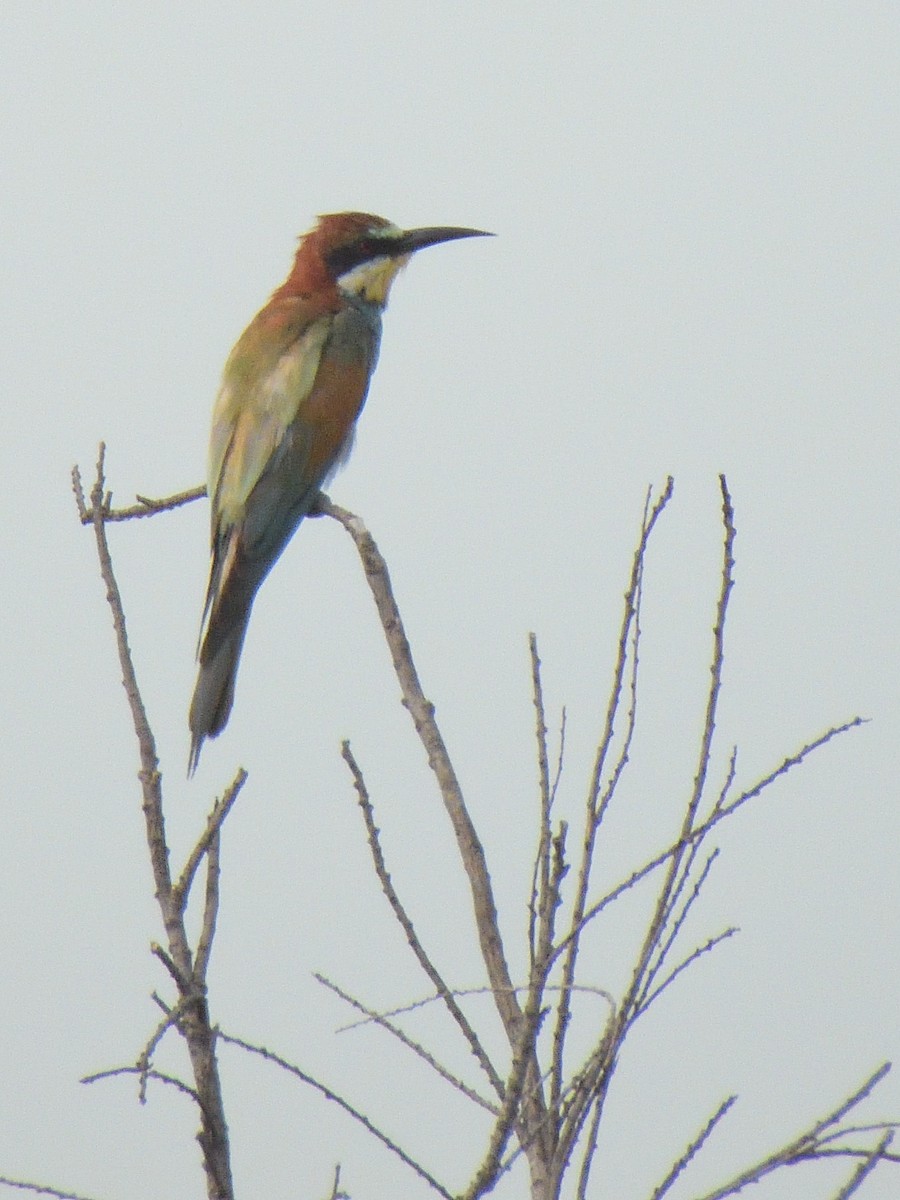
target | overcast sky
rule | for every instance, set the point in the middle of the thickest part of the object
(696, 271)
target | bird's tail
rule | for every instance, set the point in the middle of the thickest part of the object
(213, 697)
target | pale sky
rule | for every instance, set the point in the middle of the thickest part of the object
(696, 270)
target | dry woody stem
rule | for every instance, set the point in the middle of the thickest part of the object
(186, 966)
(544, 1104)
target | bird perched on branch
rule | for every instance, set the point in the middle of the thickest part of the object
(292, 390)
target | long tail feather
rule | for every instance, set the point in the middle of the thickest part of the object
(214, 693)
(242, 557)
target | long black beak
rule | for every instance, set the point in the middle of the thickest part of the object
(417, 239)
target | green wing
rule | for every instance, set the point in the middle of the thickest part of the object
(268, 375)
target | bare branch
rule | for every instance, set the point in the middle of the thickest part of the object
(788, 764)
(408, 928)
(546, 1133)
(416, 1047)
(809, 1145)
(541, 872)
(598, 798)
(41, 1189)
(78, 491)
(683, 966)
(144, 506)
(694, 1148)
(422, 713)
(730, 776)
(862, 1093)
(855, 1130)
(597, 1080)
(210, 911)
(520, 1076)
(170, 1018)
(182, 982)
(701, 831)
(585, 988)
(674, 880)
(866, 1167)
(718, 660)
(676, 923)
(194, 1023)
(361, 1118)
(150, 778)
(559, 758)
(587, 1096)
(214, 821)
(171, 1080)
(336, 1193)
(590, 1149)
(587, 1093)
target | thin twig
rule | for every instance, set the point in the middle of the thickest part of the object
(559, 758)
(422, 713)
(194, 1023)
(866, 1167)
(145, 1058)
(361, 1118)
(220, 811)
(586, 1094)
(674, 881)
(145, 507)
(540, 874)
(855, 1130)
(590, 1148)
(585, 988)
(519, 1079)
(718, 660)
(674, 923)
(149, 776)
(596, 803)
(788, 764)
(408, 928)
(862, 1093)
(41, 1189)
(656, 926)
(699, 952)
(416, 1047)
(701, 831)
(807, 1146)
(181, 981)
(694, 1148)
(586, 1097)
(336, 1193)
(171, 1080)
(210, 911)
(80, 502)
(728, 783)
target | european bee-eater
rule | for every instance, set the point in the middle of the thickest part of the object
(292, 390)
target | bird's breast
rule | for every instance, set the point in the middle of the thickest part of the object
(338, 394)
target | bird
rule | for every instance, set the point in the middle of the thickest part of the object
(283, 421)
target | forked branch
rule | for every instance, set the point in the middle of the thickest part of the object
(545, 1126)
(187, 969)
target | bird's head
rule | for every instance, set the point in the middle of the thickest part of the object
(361, 255)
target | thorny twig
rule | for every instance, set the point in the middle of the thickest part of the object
(329, 1094)
(144, 507)
(598, 797)
(41, 1189)
(403, 919)
(814, 1143)
(547, 1133)
(417, 1048)
(188, 972)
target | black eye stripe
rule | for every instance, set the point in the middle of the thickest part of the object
(344, 258)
